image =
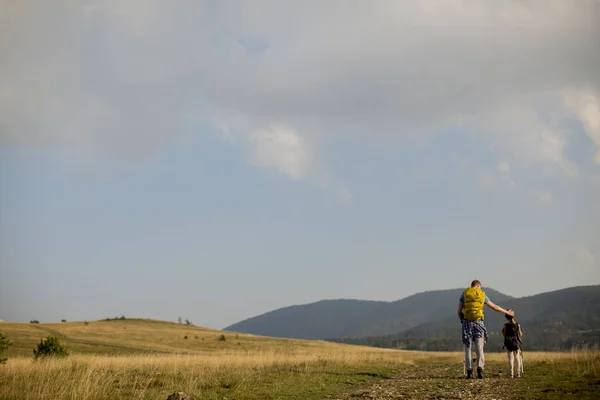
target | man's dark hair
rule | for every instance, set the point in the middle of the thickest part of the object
(509, 318)
(475, 283)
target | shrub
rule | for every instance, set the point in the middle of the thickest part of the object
(185, 337)
(222, 338)
(188, 322)
(35, 321)
(63, 320)
(4, 344)
(122, 317)
(51, 347)
(85, 323)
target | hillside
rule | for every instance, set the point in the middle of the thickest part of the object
(138, 336)
(355, 318)
(550, 321)
(255, 368)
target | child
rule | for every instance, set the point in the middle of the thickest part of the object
(512, 342)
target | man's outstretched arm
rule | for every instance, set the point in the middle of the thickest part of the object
(499, 309)
(460, 308)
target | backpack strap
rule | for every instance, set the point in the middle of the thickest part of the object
(506, 334)
(518, 335)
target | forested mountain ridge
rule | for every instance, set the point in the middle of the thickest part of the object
(346, 318)
(550, 321)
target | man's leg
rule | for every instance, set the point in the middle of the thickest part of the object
(511, 364)
(480, 357)
(468, 360)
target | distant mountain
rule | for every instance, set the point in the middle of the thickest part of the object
(356, 318)
(550, 321)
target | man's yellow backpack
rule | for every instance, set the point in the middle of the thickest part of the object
(474, 298)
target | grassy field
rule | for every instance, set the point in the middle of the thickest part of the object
(136, 336)
(141, 359)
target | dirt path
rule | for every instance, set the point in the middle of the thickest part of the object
(443, 382)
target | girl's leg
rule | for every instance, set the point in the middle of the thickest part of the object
(511, 364)
(518, 362)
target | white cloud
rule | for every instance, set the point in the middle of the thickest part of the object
(586, 106)
(284, 149)
(543, 198)
(287, 151)
(123, 78)
(485, 179)
(504, 170)
(585, 257)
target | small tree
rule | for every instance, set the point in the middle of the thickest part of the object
(51, 347)
(179, 319)
(222, 338)
(188, 322)
(4, 344)
(64, 320)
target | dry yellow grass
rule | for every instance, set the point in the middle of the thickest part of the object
(135, 336)
(149, 360)
(242, 372)
(154, 376)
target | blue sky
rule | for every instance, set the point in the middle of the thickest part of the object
(218, 160)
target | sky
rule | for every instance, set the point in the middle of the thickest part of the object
(216, 160)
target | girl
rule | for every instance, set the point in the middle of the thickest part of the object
(512, 342)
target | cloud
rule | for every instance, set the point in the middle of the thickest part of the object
(485, 179)
(585, 257)
(586, 106)
(124, 78)
(543, 198)
(284, 149)
(504, 170)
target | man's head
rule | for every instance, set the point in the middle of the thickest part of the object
(476, 284)
(509, 317)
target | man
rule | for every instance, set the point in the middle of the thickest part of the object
(470, 312)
